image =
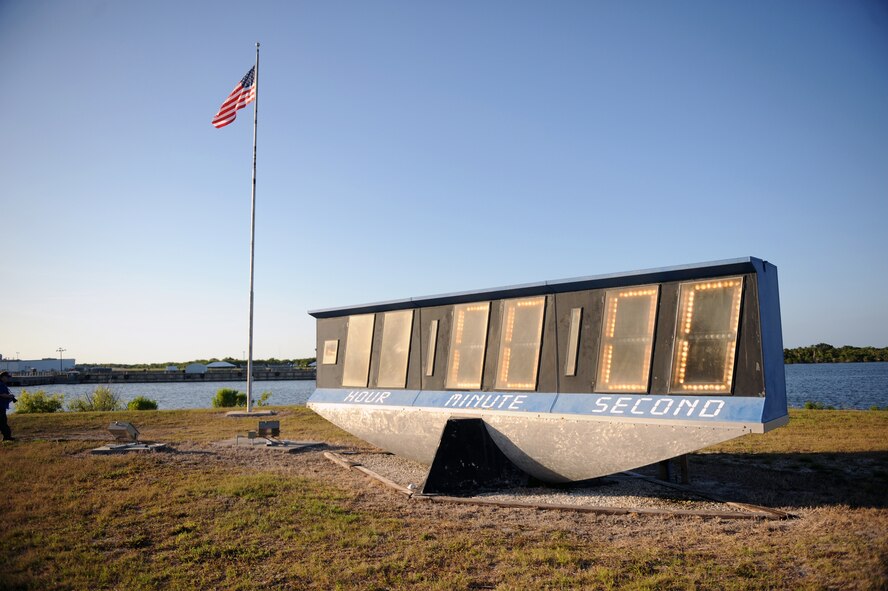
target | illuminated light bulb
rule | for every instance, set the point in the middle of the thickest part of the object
(460, 327)
(607, 364)
(528, 303)
(510, 324)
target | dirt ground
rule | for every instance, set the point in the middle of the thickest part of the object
(805, 488)
(837, 537)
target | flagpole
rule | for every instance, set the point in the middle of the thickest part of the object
(253, 232)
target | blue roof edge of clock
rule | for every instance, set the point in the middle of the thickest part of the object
(657, 275)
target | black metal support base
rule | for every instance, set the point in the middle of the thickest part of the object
(467, 460)
(663, 472)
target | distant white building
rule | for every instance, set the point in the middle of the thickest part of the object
(47, 364)
(172, 368)
(196, 368)
(221, 365)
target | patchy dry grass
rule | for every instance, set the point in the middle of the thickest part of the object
(199, 426)
(213, 517)
(823, 431)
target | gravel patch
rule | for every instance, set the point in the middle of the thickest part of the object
(404, 472)
(613, 491)
(617, 491)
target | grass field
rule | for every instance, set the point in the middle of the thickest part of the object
(207, 516)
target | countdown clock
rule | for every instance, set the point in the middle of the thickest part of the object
(572, 378)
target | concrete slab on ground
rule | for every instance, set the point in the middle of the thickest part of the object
(241, 414)
(123, 448)
(283, 446)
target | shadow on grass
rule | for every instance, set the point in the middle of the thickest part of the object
(791, 480)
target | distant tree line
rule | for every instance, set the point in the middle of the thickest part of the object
(826, 353)
(271, 361)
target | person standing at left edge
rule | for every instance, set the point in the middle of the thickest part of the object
(5, 398)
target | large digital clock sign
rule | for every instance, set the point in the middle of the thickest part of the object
(572, 379)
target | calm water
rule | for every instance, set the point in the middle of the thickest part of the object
(842, 385)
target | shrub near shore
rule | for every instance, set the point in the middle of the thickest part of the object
(228, 397)
(39, 401)
(101, 399)
(141, 403)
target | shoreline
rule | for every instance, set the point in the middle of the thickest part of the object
(149, 377)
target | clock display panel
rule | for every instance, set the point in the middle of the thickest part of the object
(706, 336)
(395, 351)
(357, 350)
(519, 352)
(468, 341)
(627, 339)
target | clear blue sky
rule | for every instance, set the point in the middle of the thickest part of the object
(412, 148)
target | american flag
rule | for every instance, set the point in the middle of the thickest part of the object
(242, 95)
